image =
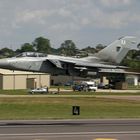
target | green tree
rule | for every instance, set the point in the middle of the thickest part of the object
(27, 47)
(6, 52)
(42, 45)
(134, 64)
(89, 50)
(100, 47)
(68, 48)
(131, 60)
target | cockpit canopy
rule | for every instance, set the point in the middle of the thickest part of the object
(31, 54)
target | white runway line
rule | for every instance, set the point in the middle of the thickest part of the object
(71, 133)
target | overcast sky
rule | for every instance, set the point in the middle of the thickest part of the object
(86, 22)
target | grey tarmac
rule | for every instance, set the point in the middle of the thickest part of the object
(108, 129)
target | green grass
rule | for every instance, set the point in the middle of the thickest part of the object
(14, 92)
(134, 87)
(99, 93)
(61, 108)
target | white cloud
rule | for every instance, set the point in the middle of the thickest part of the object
(113, 20)
(75, 15)
(64, 12)
(60, 19)
(110, 3)
(31, 15)
(134, 18)
(85, 21)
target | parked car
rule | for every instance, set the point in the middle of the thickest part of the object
(58, 84)
(77, 88)
(101, 86)
(38, 90)
(69, 83)
(109, 86)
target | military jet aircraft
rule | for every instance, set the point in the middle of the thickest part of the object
(107, 58)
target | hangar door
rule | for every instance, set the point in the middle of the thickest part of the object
(31, 83)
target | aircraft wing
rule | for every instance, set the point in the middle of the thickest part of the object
(58, 64)
(100, 65)
(96, 65)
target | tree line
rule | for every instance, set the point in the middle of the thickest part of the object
(67, 48)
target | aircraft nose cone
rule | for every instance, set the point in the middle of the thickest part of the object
(4, 63)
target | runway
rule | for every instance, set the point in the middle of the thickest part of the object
(70, 130)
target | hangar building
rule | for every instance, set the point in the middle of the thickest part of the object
(120, 78)
(23, 80)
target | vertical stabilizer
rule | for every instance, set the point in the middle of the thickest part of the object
(116, 51)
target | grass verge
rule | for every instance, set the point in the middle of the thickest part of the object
(61, 108)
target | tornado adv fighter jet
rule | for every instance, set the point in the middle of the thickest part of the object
(108, 58)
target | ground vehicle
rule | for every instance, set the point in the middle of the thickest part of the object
(107, 86)
(38, 90)
(69, 83)
(77, 88)
(101, 86)
(89, 85)
(85, 86)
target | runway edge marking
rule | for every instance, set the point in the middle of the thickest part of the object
(74, 133)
